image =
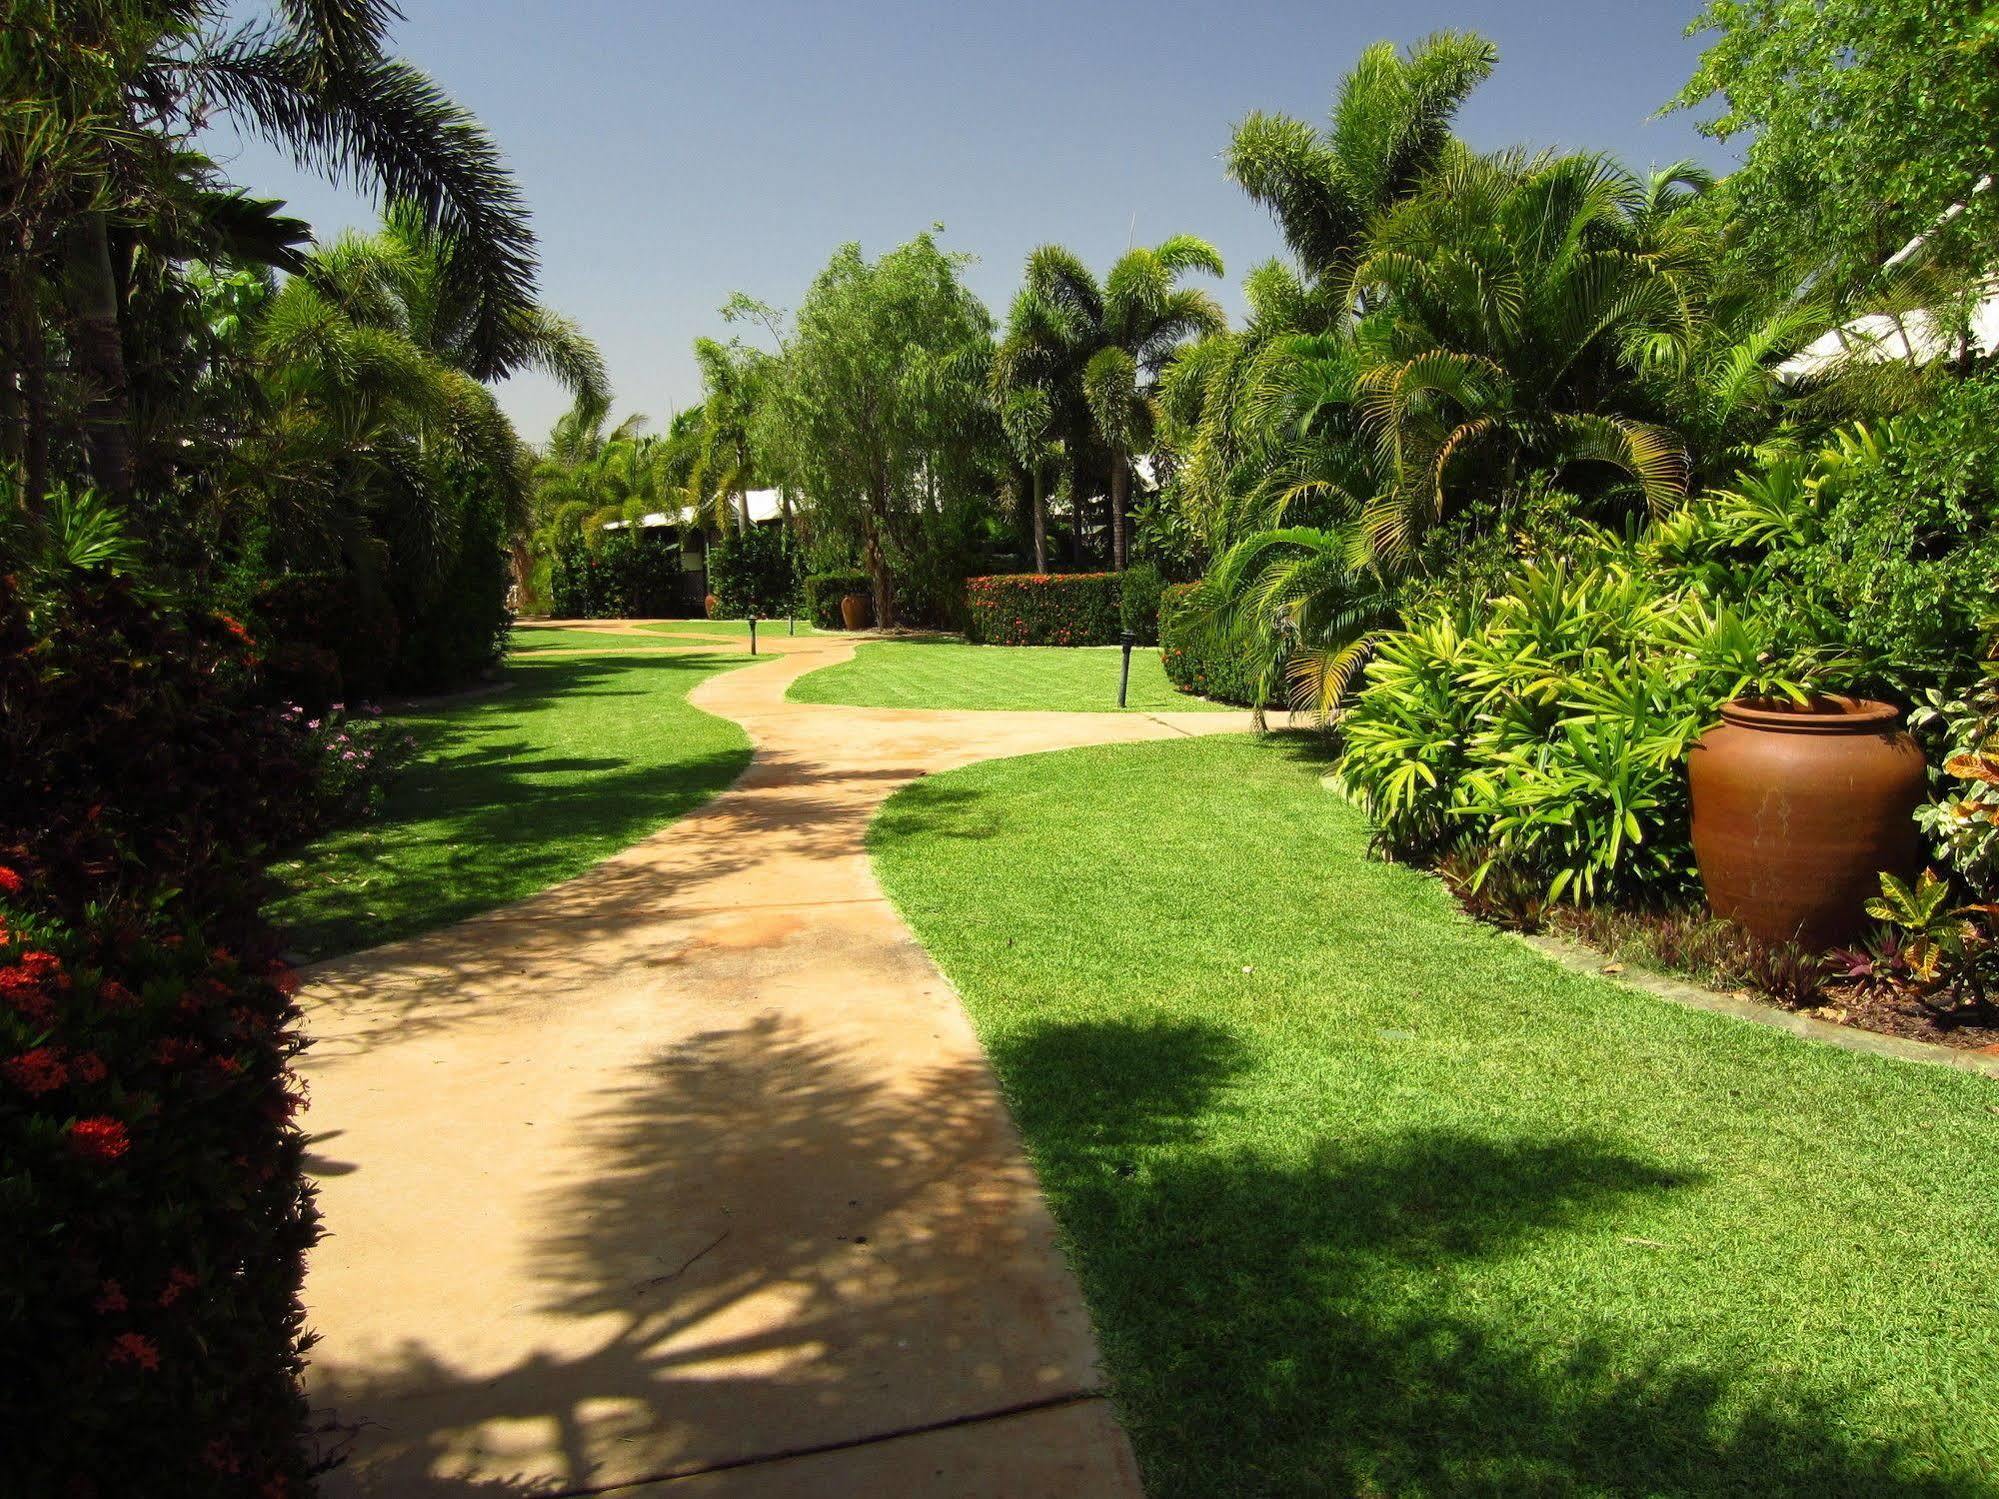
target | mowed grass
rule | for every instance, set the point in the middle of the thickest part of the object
(1370, 1200)
(950, 674)
(528, 641)
(736, 628)
(576, 758)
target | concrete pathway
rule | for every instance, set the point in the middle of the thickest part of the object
(689, 1174)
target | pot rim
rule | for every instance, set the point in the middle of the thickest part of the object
(1828, 713)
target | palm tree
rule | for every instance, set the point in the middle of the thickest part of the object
(1021, 389)
(1098, 350)
(730, 379)
(119, 84)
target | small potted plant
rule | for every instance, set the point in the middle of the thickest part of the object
(855, 609)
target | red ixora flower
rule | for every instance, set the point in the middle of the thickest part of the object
(36, 1072)
(111, 992)
(10, 882)
(135, 1348)
(110, 1298)
(99, 1138)
(88, 1066)
(179, 1279)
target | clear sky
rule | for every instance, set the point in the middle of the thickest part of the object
(675, 152)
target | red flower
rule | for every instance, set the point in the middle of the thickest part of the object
(111, 992)
(135, 1348)
(285, 980)
(10, 882)
(89, 1067)
(176, 1051)
(178, 1280)
(36, 1072)
(110, 1298)
(99, 1138)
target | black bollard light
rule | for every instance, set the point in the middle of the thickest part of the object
(753, 634)
(1124, 677)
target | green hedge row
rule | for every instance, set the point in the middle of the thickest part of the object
(823, 592)
(1195, 661)
(1043, 609)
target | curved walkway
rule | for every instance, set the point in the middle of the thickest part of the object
(689, 1173)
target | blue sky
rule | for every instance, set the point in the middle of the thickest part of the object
(674, 152)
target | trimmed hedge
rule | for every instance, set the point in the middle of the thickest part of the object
(1194, 661)
(755, 573)
(330, 637)
(154, 1214)
(1043, 609)
(1138, 603)
(632, 574)
(823, 592)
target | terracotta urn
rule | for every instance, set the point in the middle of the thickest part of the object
(1798, 810)
(854, 610)
(710, 604)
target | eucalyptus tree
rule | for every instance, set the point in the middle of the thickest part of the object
(876, 405)
(1098, 349)
(104, 98)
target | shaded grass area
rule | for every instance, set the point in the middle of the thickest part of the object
(737, 628)
(531, 640)
(514, 792)
(950, 674)
(1368, 1199)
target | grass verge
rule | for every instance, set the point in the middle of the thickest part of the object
(950, 674)
(1369, 1199)
(514, 792)
(735, 628)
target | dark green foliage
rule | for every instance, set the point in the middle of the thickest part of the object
(327, 636)
(1198, 659)
(1043, 609)
(153, 1212)
(1138, 602)
(456, 629)
(631, 574)
(823, 592)
(754, 574)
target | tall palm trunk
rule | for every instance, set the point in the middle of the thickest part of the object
(1120, 501)
(1040, 522)
(100, 354)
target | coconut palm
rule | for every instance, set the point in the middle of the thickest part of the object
(1097, 351)
(119, 84)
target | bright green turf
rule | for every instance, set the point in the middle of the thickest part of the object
(736, 627)
(1368, 1199)
(514, 792)
(948, 674)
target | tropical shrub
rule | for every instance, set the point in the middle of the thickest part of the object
(327, 636)
(1552, 729)
(154, 1216)
(1199, 658)
(350, 760)
(629, 574)
(1931, 950)
(455, 625)
(1962, 819)
(1043, 609)
(823, 592)
(1138, 602)
(754, 573)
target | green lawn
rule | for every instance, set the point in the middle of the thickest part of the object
(565, 640)
(514, 792)
(948, 674)
(736, 627)
(1370, 1200)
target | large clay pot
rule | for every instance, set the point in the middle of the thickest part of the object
(1797, 811)
(854, 610)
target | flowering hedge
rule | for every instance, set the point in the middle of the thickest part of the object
(153, 1212)
(1043, 609)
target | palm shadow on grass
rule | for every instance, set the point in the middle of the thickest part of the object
(497, 807)
(1276, 1327)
